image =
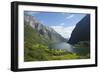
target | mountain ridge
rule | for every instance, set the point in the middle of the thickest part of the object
(81, 32)
(45, 32)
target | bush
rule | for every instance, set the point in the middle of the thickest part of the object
(83, 44)
(37, 52)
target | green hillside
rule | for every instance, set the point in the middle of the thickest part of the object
(31, 37)
(36, 48)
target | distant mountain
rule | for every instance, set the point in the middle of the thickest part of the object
(35, 32)
(81, 32)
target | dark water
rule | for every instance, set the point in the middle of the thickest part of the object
(68, 48)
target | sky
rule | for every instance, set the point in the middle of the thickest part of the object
(61, 22)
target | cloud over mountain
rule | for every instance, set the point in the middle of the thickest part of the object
(63, 30)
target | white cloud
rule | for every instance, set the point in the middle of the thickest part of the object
(31, 13)
(70, 16)
(62, 24)
(64, 31)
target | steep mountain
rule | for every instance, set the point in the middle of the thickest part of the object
(35, 32)
(81, 32)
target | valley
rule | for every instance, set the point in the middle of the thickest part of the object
(42, 43)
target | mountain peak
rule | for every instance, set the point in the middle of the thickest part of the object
(44, 31)
(81, 32)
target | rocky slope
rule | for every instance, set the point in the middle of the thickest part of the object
(82, 31)
(39, 32)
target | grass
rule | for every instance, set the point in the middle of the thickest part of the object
(39, 52)
(65, 57)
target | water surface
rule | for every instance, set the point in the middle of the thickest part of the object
(68, 48)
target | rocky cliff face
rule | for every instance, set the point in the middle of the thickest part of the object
(81, 32)
(45, 32)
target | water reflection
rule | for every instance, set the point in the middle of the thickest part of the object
(68, 48)
(62, 46)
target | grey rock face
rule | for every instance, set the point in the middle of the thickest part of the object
(44, 31)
